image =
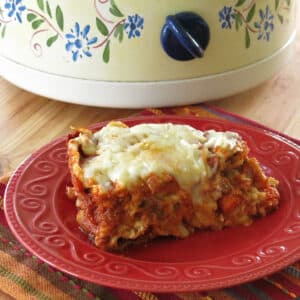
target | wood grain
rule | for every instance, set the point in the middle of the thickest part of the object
(29, 121)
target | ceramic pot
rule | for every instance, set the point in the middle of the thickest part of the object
(134, 53)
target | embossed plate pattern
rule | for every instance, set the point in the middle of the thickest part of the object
(43, 219)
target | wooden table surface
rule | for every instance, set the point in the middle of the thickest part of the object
(28, 121)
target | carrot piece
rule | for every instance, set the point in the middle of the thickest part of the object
(229, 202)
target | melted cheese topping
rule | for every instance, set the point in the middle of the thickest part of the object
(122, 154)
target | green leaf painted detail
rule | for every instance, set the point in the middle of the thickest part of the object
(31, 17)
(106, 52)
(119, 32)
(59, 18)
(49, 12)
(114, 10)
(3, 31)
(248, 39)
(101, 27)
(51, 40)
(240, 3)
(238, 21)
(281, 19)
(36, 24)
(259, 23)
(121, 36)
(251, 13)
(43, 14)
(41, 4)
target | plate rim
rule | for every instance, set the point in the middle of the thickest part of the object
(167, 286)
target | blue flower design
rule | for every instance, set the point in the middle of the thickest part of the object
(265, 25)
(78, 42)
(227, 17)
(133, 26)
(14, 9)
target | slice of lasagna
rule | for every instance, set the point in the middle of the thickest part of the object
(134, 184)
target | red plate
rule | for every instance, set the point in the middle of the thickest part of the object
(43, 219)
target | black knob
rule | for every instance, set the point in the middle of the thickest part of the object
(185, 36)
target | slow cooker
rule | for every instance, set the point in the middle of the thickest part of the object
(134, 53)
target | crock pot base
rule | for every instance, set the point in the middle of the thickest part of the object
(144, 94)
